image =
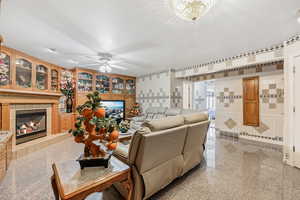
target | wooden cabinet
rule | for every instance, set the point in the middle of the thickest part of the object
(20, 71)
(5, 69)
(24, 73)
(54, 80)
(67, 121)
(103, 84)
(41, 74)
(110, 86)
(130, 86)
(84, 82)
(117, 85)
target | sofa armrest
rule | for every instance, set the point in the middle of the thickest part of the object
(140, 118)
(122, 152)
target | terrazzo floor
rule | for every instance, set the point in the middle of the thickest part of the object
(232, 170)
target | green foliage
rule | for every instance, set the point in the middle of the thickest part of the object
(93, 103)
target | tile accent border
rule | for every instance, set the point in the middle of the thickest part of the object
(265, 67)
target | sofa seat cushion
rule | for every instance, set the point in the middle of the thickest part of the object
(195, 118)
(165, 123)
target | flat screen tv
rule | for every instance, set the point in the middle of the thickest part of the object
(114, 109)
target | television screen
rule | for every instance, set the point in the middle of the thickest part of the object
(114, 109)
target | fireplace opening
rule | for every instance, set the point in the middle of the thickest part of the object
(30, 125)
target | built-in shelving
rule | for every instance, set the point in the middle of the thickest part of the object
(117, 85)
(130, 86)
(103, 84)
(4, 69)
(54, 80)
(85, 82)
(23, 73)
(41, 77)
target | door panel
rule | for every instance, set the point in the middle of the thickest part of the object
(296, 92)
(251, 101)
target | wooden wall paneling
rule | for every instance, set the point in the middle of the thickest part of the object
(67, 121)
(55, 119)
(5, 108)
(251, 101)
(0, 116)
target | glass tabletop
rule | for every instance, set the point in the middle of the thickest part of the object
(72, 178)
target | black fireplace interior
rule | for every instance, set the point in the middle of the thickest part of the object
(30, 125)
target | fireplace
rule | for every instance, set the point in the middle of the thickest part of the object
(30, 125)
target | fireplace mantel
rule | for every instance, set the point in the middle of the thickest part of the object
(9, 96)
(29, 92)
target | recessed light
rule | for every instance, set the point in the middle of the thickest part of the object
(51, 50)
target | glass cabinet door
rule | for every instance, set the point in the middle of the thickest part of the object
(130, 86)
(41, 77)
(102, 84)
(4, 69)
(23, 73)
(117, 85)
(85, 82)
(54, 80)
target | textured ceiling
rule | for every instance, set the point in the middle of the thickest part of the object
(142, 35)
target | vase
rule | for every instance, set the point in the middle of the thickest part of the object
(69, 104)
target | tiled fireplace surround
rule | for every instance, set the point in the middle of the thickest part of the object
(16, 107)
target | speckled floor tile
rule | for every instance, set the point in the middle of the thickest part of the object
(231, 170)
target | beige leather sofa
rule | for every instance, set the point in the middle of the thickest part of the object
(164, 150)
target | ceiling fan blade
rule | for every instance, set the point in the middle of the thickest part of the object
(90, 64)
(118, 67)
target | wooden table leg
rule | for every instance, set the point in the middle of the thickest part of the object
(129, 186)
(54, 187)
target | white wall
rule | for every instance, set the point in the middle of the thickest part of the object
(154, 90)
(160, 89)
(229, 110)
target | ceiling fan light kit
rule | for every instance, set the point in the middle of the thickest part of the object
(105, 69)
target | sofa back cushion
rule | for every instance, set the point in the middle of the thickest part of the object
(158, 147)
(196, 134)
(195, 117)
(193, 147)
(164, 123)
(135, 143)
(155, 110)
(173, 111)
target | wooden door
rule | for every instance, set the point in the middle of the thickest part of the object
(251, 101)
(296, 113)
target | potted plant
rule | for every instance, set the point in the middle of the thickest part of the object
(98, 134)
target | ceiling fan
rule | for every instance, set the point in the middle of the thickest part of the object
(104, 61)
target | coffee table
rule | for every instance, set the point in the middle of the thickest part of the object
(70, 182)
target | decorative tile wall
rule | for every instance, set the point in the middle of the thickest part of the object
(154, 90)
(229, 107)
